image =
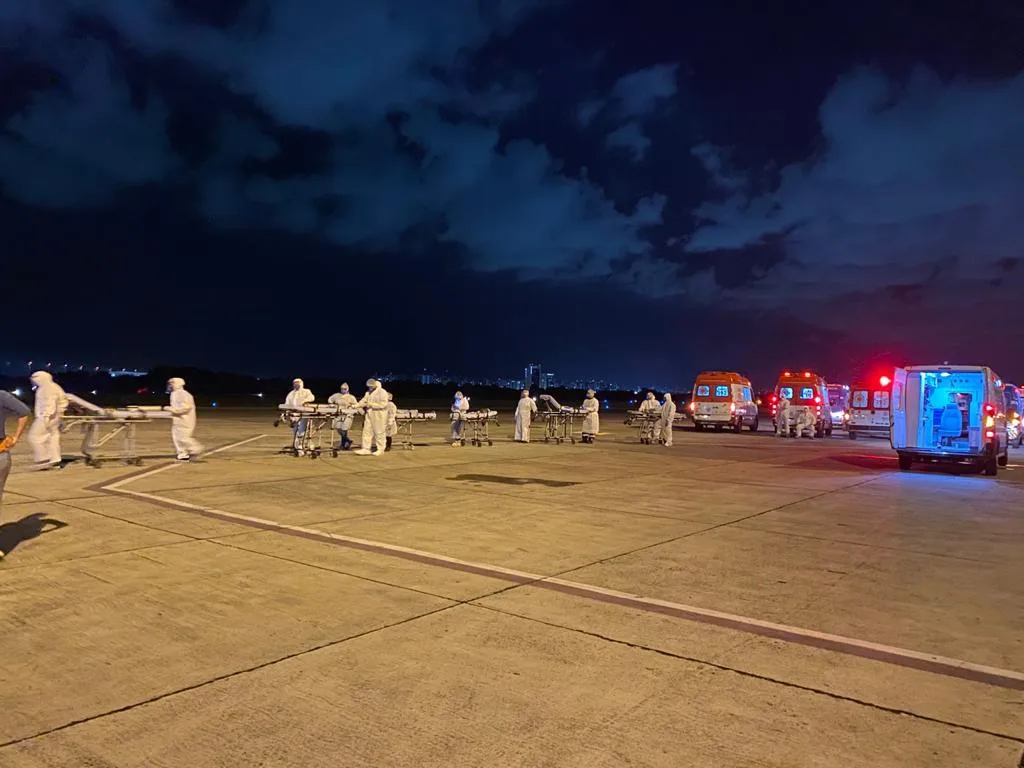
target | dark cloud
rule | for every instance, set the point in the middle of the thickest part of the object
(917, 183)
(344, 69)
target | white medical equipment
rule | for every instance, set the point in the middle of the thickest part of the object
(405, 418)
(647, 424)
(559, 420)
(93, 419)
(319, 434)
(479, 423)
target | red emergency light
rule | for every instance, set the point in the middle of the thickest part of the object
(807, 374)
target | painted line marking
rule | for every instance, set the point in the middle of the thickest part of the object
(941, 665)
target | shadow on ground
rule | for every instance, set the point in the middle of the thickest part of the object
(504, 480)
(28, 528)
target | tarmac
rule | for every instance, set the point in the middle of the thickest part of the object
(733, 600)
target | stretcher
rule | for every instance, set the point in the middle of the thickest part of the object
(559, 420)
(647, 424)
(405, 418)
(100, 426)
(319, 434)
(478, 423)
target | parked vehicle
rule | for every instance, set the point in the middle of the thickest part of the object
(868, 413)
(839, 403)
(723, 399)
(951, 414)
(808, 391)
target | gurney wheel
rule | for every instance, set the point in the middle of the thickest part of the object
(334, 454)
(135, 462)
(277, 423)
(490, 442)
(574, 441)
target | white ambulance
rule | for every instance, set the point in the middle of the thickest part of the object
(868, 412)
(949, 413)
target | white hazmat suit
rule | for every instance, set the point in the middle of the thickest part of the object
(650, 404)
(44, 434)
(298, 397)
(668, 415)
(392, 428)
(782, 418)
(343, 399)
(803, 420)
(525, 411)
(183, 420)
(375, 422)
(591, 418)
(460, 407)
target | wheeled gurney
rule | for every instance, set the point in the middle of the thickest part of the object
(647, 424)
(319, 434)
(479, 423)
(405, 418)
(559, 420)
(94, 419)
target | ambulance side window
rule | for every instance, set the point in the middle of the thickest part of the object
(703, 390)
(722, 390)
(881, 400)
(745, 394)
(860, 399)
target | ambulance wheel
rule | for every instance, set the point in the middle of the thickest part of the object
(1004, 460)
(851, 435)
(755, 426)
(738, 426)
(718, 427)
(991, 467)
(905, 462)
(828, 431)
(698, 427)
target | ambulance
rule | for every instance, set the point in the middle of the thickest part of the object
(804, 390)
(1013, 407)
(723, 399)
(949, 414)
(839, 402)
(868, 413)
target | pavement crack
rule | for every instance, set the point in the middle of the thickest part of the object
(221, 678)
(763, 678)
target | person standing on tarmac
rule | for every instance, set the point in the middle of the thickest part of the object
(10, 407)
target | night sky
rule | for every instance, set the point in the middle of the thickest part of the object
(630, 191)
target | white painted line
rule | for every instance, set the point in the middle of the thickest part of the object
(944, 665)
(132, 478)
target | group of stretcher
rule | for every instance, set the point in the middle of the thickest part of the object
(479, 425)
(648, 425)
(319, 425)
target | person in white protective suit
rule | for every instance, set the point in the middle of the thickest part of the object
(392, 428)
(803, 420)
(298, 397)
(650, 404)
(668, 416)
(44, 433)
(782, 418)
(375, 422)
(525, 411)
(183, 420)
(343, 399)
(591, 417)
(460, 407)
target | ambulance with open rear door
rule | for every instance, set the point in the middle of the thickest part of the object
(950, 414)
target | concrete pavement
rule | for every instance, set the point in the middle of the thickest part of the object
(734, 600)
